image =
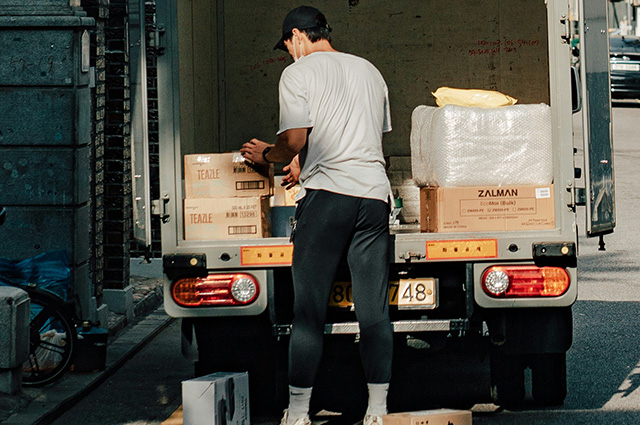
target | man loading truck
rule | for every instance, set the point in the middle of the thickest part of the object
(484, 268)
(334, 108)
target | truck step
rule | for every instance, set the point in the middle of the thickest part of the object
(399, 326)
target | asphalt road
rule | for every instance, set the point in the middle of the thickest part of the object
(603, 364)
(144, 391)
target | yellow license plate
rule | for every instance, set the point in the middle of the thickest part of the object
(405, 293)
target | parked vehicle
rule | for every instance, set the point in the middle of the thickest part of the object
(217, 87)
(624, 51)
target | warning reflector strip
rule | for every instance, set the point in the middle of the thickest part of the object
(472, 248)
(267, 255)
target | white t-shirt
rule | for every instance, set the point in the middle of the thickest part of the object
(345, 101)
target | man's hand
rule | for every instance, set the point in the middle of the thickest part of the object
(252, 150)
(289, 143)
(293, 173)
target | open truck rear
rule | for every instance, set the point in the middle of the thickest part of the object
(217, 88)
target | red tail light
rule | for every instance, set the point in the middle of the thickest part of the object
(216, 290)
(525, 281)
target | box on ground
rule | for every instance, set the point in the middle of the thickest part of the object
(429, 417)
(221, 398)
(224, 175)
(490, 208)
(226, 218)
(283, 197)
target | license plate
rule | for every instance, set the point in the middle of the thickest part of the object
(407, 294)
(415, 294)
(625, 67)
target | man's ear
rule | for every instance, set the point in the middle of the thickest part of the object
(301, 35)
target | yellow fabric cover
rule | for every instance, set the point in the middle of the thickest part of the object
(472, 97)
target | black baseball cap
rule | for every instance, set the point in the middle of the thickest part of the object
(303, 18)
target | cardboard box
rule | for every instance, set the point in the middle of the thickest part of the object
(224, 175)
(283, 197)
(429, 417)
(221, 398)
(226, 218)
(484, 209)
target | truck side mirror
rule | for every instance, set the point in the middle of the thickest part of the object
(576, 99)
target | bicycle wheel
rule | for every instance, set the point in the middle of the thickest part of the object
(52, 339)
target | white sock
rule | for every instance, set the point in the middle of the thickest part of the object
(377, 399)
(299, 400)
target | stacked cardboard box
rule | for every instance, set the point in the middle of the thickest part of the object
(283, 197)
(430, 417)
(483, 169)
(225, 197)
(486, 208)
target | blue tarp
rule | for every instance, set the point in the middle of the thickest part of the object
(49, 271)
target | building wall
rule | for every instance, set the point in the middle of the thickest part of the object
(102, 139)
(117, 150)
(111, 189)
(111, 97)
(99, 10)
(47, 143)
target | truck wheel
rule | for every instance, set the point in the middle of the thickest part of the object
(549, 378)
(507, 379)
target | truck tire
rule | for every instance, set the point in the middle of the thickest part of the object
(238, 344)
(549, 378)
(507, 379)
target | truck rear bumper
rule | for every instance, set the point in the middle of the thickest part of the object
(400, 326)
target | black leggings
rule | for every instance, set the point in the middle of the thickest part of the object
(327, 226)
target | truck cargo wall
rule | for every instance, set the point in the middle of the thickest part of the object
(229, 71)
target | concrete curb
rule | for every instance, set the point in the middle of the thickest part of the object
(51, 401)
(41, 406)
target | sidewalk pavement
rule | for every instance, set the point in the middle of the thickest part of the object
(40, 406)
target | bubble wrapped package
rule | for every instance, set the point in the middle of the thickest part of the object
(458, 146)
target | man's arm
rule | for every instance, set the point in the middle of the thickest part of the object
(288, 145)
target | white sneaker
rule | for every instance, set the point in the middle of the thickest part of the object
(372, 420)
(299, 421)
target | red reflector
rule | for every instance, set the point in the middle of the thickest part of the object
(215, 290)
(525, 281)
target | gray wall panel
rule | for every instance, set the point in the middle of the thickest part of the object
(44, 176)
(36, 58)
(30, 231)
(83, 120)
(37, 116)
